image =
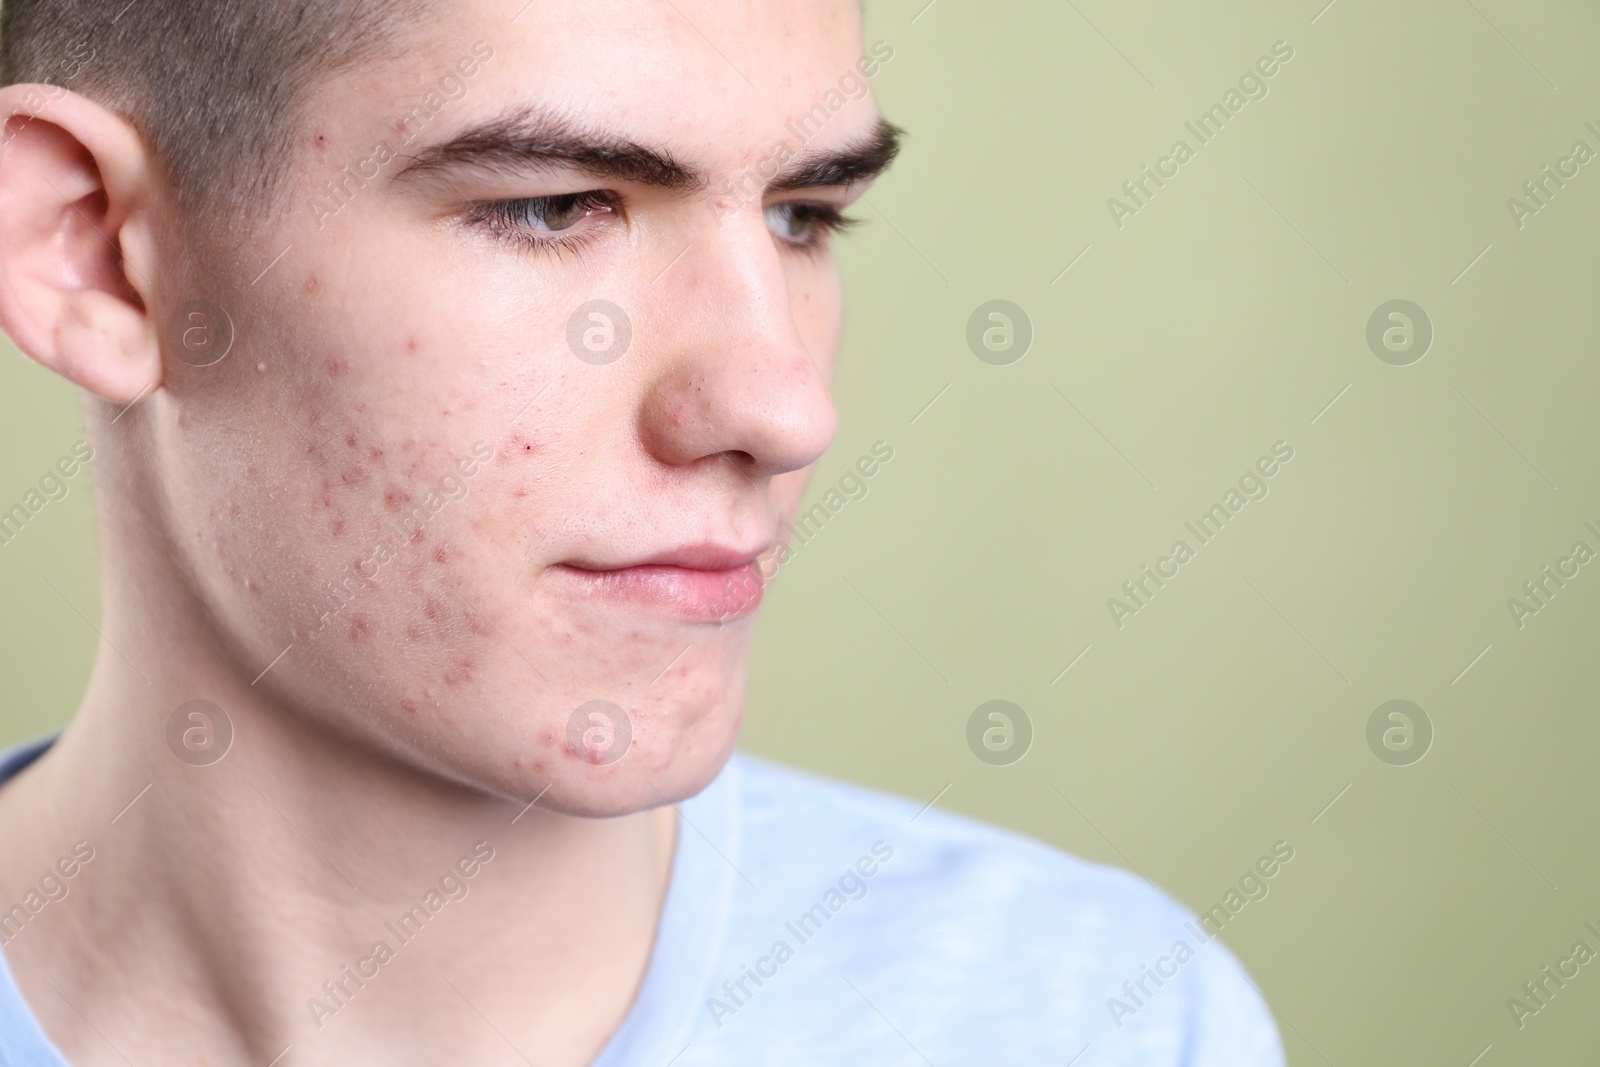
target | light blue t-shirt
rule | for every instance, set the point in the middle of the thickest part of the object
(808, 922)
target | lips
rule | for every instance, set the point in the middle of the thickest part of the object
(703, 583)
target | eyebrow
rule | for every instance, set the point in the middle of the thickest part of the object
(530, 140)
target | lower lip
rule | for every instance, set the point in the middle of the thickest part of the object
(702, 595)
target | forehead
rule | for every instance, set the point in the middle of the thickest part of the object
(704, 76)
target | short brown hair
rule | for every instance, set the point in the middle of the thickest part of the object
(215, 87)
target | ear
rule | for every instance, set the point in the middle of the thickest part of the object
(76, 247)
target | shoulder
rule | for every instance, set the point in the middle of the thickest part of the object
(988, 921)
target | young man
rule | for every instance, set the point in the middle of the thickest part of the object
(452, 370)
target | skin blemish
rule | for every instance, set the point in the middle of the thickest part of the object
(411, 344)
(408, 705)
(460, 672)
(395, 498)
(443, 553)
(251, 586)
(337, 528)
(375, 454)
(350, 441)
(360, 627)
(431, 608)
(312, 283)
(336, 366)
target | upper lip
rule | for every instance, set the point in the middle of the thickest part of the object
(701, 557)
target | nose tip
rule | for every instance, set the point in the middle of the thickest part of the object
(767, 417)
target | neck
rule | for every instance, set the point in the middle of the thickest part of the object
(302, 891)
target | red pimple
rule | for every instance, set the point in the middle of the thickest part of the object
(338, 527)
(375, 453)
(396, 498)
(336, 366)
(311, 283)
(443, 553)
(408, 705)
(430, 608)
(360, 627)
(460, 671)
(350, 440)
(411, 344)
(251, 586)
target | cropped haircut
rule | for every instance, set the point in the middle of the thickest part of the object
(216, 88)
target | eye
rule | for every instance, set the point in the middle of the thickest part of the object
(804, 225)
(552, 214)
(545, 221)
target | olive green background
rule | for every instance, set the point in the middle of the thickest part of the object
(1223, 317)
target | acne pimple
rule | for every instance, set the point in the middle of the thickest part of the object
(251, 586)
(396, 498)
(335, 366)
(312, 283)
(350, 441)
(411, 344)
(337, 528)
(443, 553)
(360, 627)
(430, 608)
(408, 705)
(460, 672)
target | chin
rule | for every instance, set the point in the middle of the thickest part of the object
(587, 766)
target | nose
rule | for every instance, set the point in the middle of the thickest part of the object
(736, 379)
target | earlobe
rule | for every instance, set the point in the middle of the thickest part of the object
(76, 252)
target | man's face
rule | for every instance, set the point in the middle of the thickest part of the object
(468, 499)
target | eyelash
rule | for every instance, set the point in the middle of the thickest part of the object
(499, 219)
